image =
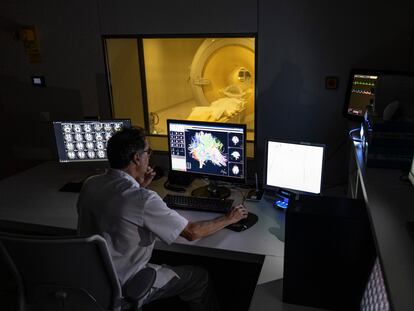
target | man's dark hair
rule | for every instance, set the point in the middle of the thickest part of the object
(124, 145)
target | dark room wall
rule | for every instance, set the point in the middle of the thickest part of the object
(299, 44)
(302, 42)
(71, 62)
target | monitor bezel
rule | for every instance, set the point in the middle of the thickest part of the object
(411, 172)
(209, 176)
(365, 71)
(275, 188)
(82, 121)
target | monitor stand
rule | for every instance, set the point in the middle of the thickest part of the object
(212, 190)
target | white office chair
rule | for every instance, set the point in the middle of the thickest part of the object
(76, 273)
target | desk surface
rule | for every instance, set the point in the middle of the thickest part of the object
(391, 204)
(33, 196)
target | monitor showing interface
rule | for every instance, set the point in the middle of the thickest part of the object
(80, 141)
(361, 92)
(209, 149)
(293, 166)
(376, 89)
(213, 150)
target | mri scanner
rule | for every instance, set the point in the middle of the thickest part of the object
(221, 80)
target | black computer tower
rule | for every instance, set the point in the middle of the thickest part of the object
(329, 252)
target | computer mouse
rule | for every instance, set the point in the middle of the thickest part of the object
(244, 224)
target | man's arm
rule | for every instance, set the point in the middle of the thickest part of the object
(200, 229)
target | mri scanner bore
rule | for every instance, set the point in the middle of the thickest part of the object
(202, 79)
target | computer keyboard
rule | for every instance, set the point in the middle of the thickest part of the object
(198, 204)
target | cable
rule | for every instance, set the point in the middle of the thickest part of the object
(352, 137)
(244, 196)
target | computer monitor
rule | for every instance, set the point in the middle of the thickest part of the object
(360, 93)
(411, 173)
(85, 141)
(207, 149)
(293, 166)
(375, 89)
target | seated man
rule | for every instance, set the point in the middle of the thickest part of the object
(130, 217)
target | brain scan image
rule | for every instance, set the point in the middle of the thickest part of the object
(87, 128)
(97, 126)
(100, 145)
(77, 128)
(85, 140)
(108, 135)
(68, 137)
(67, 128)
(107, 127)
(71, 155)
(235, 140)
(88, 137)
(78, 137)
(235, 169)
(236, 155)
(81, 155)
(91, 154)
(70, 146)
(117, 126)
(206, 147)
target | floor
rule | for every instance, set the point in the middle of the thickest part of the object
(268, 297)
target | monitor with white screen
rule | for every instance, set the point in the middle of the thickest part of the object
(85, 141)
(207, 149)
(293, 166)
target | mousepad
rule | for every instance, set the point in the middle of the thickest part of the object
(244, 223)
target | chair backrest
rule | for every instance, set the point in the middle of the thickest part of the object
(64, 273)
(11, 286)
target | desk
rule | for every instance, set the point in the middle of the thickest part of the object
(390, 204)
(32, 196)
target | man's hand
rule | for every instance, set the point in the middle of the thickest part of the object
(237, 213)
(148, 177)
(200, 229)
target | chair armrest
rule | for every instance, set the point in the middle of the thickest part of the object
(139, 285)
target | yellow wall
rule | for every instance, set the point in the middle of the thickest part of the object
(122, 56)
(167, 71)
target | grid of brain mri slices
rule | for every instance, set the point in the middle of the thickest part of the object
(88, 140)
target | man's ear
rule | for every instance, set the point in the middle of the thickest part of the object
(136, 159)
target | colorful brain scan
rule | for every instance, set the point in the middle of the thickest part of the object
(205, 147)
